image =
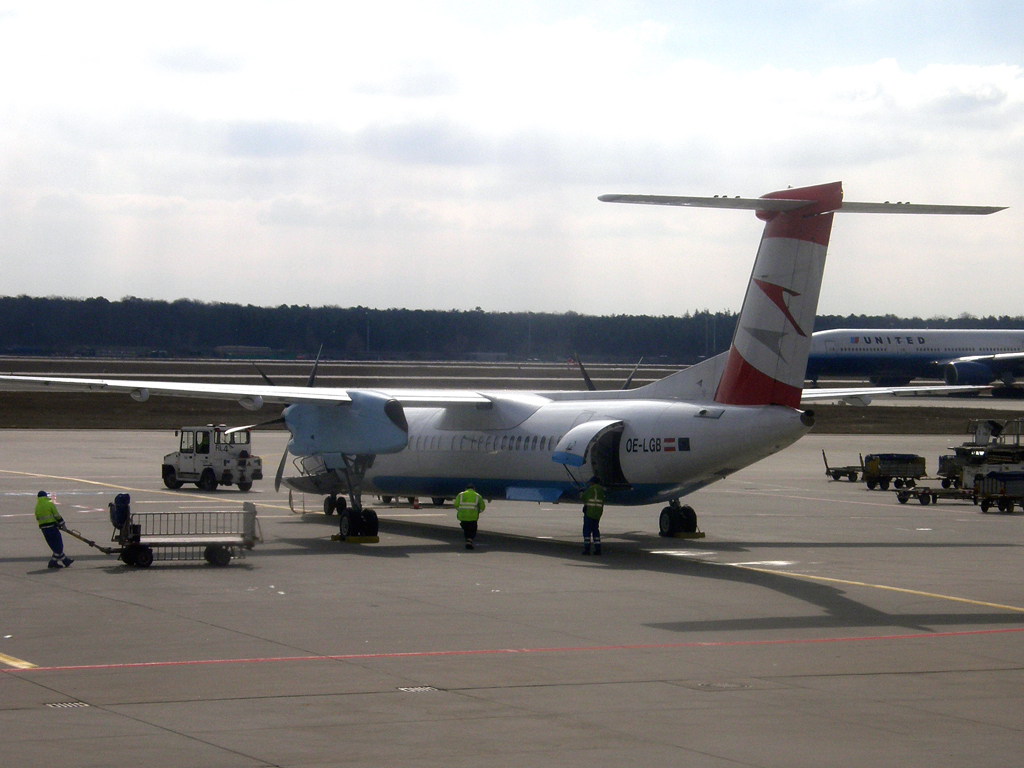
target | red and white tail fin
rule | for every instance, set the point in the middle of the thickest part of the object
(768, 357)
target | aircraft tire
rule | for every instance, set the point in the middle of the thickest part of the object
(349, 523)
(340, 504)
(669, 522)
(370, 523)
(330, 503)
(687, 519)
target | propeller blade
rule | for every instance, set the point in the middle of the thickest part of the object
(316, 364)
(280, 469)
(265, 377)
(278, 420)
(630, 379)
(586, 376)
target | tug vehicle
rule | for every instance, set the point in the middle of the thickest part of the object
(210, 456)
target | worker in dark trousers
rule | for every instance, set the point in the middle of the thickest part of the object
(468, 506)
(593, 508)
(50, 522)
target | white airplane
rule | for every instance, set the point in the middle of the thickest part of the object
(654, 444)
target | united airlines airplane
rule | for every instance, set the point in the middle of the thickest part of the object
(654, 444)
(894, 357)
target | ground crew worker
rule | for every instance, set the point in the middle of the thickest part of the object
(50, 522)
(468, 506)
(593, 508)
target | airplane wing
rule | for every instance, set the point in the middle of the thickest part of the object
(998, 361)
(249, 396)
(864, 395)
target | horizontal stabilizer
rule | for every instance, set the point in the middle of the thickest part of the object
(778, 205)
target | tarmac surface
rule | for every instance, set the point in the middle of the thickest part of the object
(817, 624)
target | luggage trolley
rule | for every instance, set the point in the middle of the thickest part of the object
(217, 536)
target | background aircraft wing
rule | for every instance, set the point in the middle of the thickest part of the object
(864, 395)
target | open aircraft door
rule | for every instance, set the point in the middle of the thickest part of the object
(598, 442)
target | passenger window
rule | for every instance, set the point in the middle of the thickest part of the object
(533, 444)
(504, 442)
(543, 442)
(202, 442)
(419, 442)
(519, 443)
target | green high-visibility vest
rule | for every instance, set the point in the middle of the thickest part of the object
(468, 505)
(46, 512)
(593, 502)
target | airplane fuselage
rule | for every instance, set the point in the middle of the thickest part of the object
(902, 354)
(664, 450)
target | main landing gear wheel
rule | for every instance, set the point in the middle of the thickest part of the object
(675, 520)
(330, 503)
(370, 523)
(349, 523)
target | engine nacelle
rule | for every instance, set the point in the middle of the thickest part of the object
(368, 425)
(968, 373)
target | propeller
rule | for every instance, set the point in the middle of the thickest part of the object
(631, 375)
(586, 376)
(316, 364)
(265, 377)
(280, 469)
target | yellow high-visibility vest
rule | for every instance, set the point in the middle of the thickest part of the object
(468, 506)
(46, 512)
(593, 502)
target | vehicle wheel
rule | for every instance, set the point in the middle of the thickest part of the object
(370, 523)
(411, 499)
(669, 522)
(925, 499)
(143, 556)
(911, 483)
(836, 475)
(884, 483)
(897, 483)
(852, 477)
(207, 480)
(872, 484)
(945, 482)
(437, 501)
(935, 499)
(245, 487)
(902, 497)
(128, 555)
(986, 505)
(330, 503)
(387, 499)
(218, 555)
(1006, 507)
(348, 525)
(688, 519)
(171, 479)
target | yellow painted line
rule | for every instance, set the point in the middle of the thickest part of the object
(885, 587)
(11, 661)
(176, 494)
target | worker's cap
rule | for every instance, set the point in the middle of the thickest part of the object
(42, 493)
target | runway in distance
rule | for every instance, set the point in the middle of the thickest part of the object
(654, 444)
(893, 357)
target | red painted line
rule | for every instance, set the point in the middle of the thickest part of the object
(495, 651)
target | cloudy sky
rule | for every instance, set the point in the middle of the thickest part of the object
(450, 154)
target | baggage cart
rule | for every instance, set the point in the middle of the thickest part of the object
(141, 538)
(903, 470)
(851, 472)
(928, 495)
(1002, 490)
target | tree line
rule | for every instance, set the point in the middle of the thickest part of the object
(186, 328)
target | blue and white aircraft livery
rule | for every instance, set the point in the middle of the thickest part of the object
(894, 357)
(651, 445)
